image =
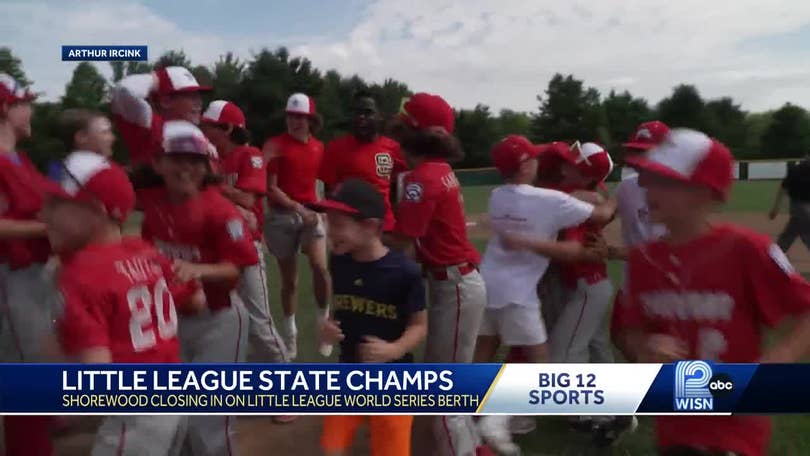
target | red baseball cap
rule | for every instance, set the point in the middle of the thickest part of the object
(299, 103)
(177, 79)
(510, 152)
(692, 157)
(183, 137)
(424, 110)
(647, 135)
(11, 91)
(92, 177)
(592, 160)
(224, 112)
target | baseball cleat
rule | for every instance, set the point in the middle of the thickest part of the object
(495, 431)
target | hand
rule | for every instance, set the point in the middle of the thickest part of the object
(662, 348)
(250, 218)
(375, 350)
(309, 217)
(514, 241)
(597, 244)
(772, 214)
(330, 332)
(186, 271)
(589, 197)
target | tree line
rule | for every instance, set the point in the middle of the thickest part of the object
(567, 109)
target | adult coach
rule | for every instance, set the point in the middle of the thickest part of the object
(140, 103)
(365, 154)
(431, 216)
(797, 187)
(294, 160)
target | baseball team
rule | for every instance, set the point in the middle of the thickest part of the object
(392, 265)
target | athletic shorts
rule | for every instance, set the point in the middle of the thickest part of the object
(515, 325)
(285, 232)
(388, 435)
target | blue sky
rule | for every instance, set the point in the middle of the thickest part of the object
(498, 53)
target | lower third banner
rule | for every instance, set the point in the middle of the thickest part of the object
(687, 387)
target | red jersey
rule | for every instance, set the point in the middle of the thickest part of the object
(206, 229)
(121, 296)
(243, 168)
(22, 192)
(715, 294)
(140, 127)
(432, 212)
(296, 166)
(591, 272)
(377, 162)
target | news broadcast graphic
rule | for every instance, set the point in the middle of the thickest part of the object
(105, 53)
(687, 388)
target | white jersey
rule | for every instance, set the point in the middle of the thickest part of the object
(634, 213)
(511, 276)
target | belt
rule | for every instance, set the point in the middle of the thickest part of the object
(442, 272)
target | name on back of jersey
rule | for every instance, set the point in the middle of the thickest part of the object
(138, 269)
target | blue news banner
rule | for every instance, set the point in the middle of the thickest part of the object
(690, 387)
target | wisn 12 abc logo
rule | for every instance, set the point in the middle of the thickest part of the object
(696, 386)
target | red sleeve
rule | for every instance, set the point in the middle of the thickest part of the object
(400, 165)
(328, 171)
(231, 237)
(252, 173)
(142, 141)
(416, 208)
(83, 324)
(778, 290)
(274, 156)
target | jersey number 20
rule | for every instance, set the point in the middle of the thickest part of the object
(141, 301)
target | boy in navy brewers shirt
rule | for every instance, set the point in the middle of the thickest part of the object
(379, 308)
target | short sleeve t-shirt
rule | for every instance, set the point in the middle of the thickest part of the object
(634, 213)
(511, 276)
(244, 169)
(715, 294)
(123, 297)
(375, 298)
(296, 166)
(797, 182)
(377, 163)
(432, 212)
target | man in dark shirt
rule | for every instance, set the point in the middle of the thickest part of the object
(797, 186)
(379, 308)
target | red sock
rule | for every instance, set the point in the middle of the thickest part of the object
(28, 435)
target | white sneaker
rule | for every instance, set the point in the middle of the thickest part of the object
(495, 431)
(522, 424)
(291, 342)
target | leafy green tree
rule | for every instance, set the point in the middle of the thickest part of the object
(788, 135)
(87, 88)
(568, 111)
(684, 108)
(725, 121)
(173, 58)
(624, 113)
(477, 130)
(511, 122)
(11, 64)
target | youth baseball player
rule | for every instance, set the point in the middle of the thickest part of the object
(141, 103)
(245, 185)
(191, 222)
(86, 130)
(705, 291)
(27, 299)
(294, 160)
(536, 216)
(119, 295)
(431, 217)
(364, 154)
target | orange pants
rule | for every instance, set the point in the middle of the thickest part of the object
(389, 435)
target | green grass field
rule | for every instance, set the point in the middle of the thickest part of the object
(791, 433)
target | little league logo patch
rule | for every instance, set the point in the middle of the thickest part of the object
(413, 192)
(256, 162)
(385, 164)
(236, 229)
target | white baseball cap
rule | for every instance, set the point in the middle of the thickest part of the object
(299, 103)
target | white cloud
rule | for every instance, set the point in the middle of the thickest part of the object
(499, 53)
(503, 53)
